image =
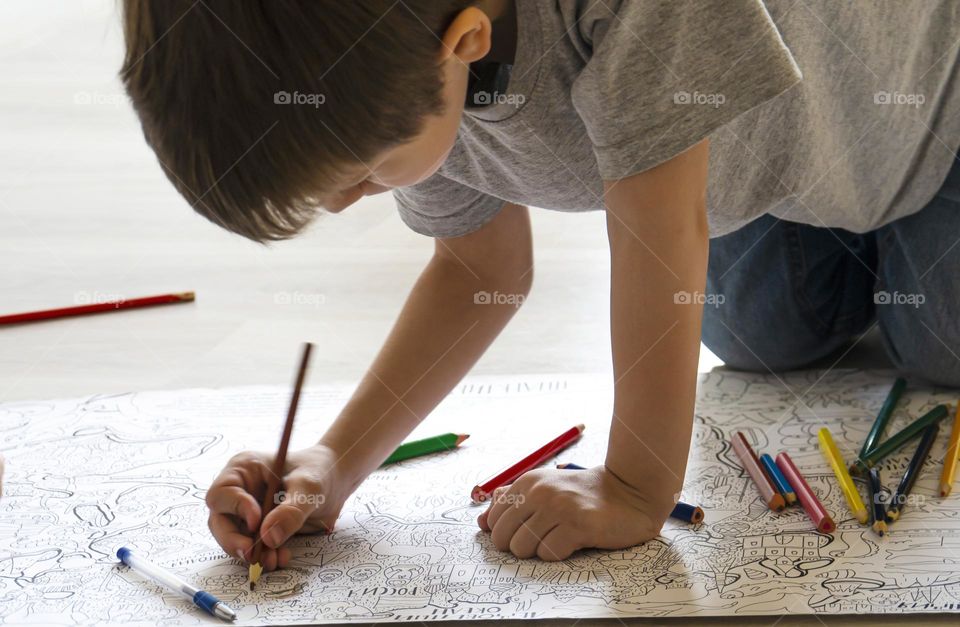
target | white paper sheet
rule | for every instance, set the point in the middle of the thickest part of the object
(87, 476)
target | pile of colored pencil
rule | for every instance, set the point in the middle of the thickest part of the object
(780, 483)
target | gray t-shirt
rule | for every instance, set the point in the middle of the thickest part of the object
(602, 89)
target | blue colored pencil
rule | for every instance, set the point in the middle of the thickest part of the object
(779, 481)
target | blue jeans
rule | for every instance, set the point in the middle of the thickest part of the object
(794, 293)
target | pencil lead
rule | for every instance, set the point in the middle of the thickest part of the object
(255, 571)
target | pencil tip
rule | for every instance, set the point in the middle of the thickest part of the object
(255, 571)
(581, 427)
(461, 437)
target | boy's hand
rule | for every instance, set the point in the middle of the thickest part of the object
(552, 513)
(313, 497)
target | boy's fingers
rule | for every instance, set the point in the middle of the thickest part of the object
(287, 518)
(527, 538)
(498, 505)
(482, 520)
(507, 525)
(557, 545)
(228, 535)
(235, 501)
(283, 557)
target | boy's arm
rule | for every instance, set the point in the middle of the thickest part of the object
(438, 336)
(658, 232)
(658, 235)
(440, 333)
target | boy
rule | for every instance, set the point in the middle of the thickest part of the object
(262, 112)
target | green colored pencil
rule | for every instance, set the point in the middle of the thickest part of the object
(894, 442)
(426, 446)
(883, 417)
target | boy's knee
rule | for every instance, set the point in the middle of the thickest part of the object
(925, 349)
(757, 346)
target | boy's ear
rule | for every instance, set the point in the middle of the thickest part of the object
(468, 36)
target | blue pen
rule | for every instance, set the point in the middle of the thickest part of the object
(779, 481)
(165, 578)
(681, 511)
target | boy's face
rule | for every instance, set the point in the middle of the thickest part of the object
(465, 41)
(413, 161)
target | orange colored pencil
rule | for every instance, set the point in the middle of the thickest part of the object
(751, 463)
(107, 306)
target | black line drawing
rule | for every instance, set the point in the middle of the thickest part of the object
(90, 475)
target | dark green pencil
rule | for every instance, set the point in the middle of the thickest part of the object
(896, 441)
(418, 448)
(883, 417)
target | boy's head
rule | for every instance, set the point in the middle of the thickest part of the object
(262, 112)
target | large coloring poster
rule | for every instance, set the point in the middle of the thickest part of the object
(86, 476)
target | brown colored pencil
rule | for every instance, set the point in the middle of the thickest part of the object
(750, 463)
(273, 482)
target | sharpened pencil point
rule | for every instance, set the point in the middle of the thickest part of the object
(255, 571)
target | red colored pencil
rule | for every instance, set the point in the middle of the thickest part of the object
(111, 305)
(482, 492)
(811, 504)
(751, 463)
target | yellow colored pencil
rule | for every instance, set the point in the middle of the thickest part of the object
(950, 461)
(830, 451)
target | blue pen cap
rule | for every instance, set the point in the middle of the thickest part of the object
(122, 553)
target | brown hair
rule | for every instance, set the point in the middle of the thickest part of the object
(257, 108)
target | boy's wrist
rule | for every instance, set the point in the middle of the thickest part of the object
(352, 467)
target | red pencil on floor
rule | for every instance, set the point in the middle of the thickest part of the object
(482, 492)
(811, 504)
(110, 305)
(750, 463)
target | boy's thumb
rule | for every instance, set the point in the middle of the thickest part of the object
(291, 510)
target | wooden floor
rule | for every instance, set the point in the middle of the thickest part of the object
(85, 214)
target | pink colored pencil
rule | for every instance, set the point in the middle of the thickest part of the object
(811, 504)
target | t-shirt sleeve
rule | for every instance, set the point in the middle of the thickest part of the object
(441, 207)
(665, 74)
